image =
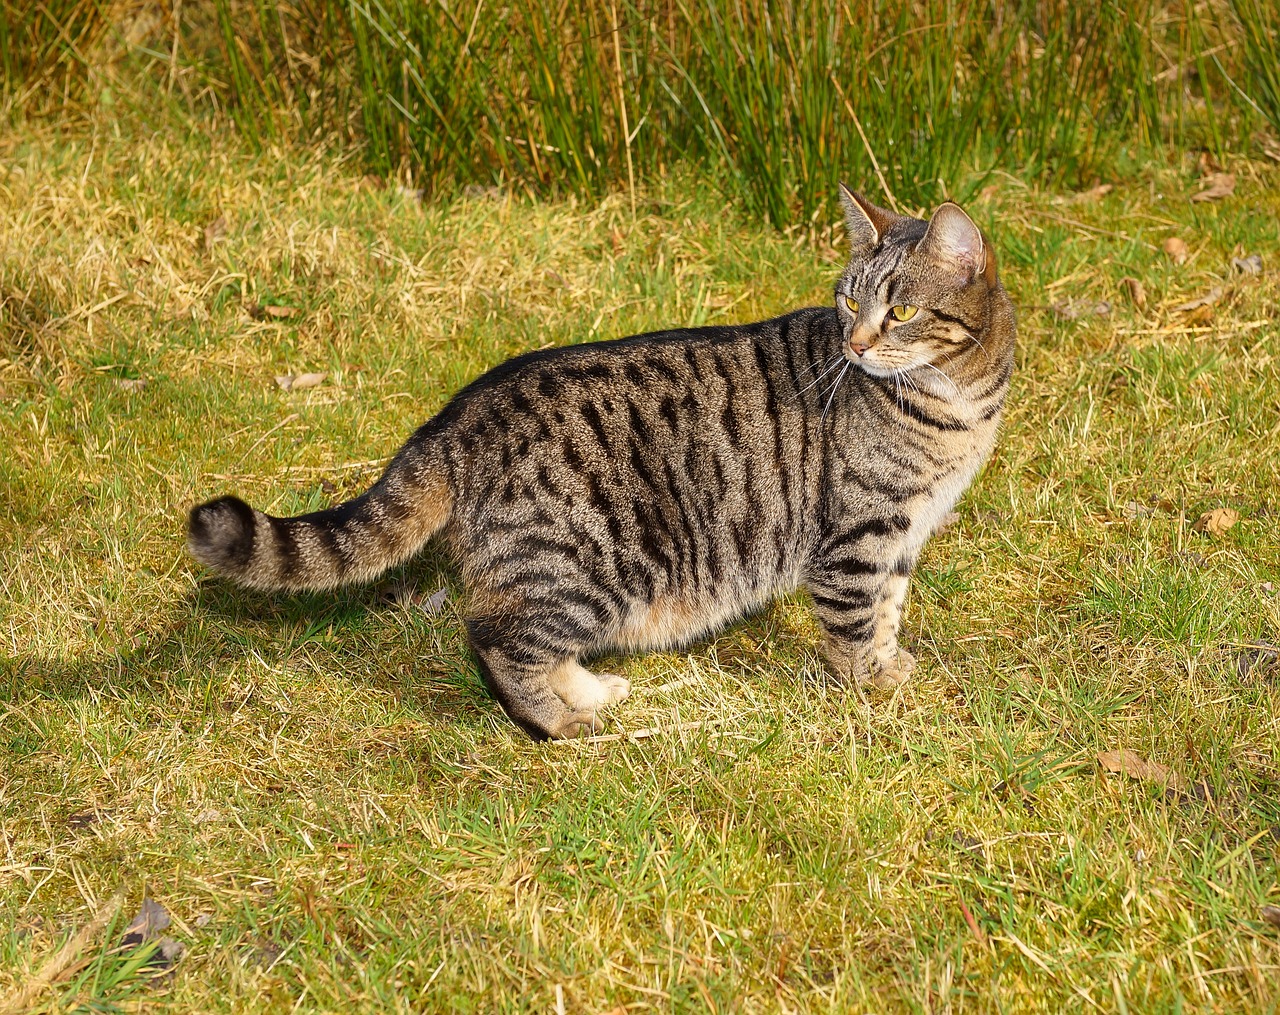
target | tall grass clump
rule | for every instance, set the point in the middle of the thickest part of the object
(778, 99)
(1259, 33)
(781, 99)
(45, 47)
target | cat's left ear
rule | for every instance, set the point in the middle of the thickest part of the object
(952, 239)
(864, 223)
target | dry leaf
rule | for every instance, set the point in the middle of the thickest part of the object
(1137, 767)
(1217, 521)
(1175, 248)
(371, 182)
(1207, 300)
(948, 520)
(214, 231)
(413, 193)
(1207, 164)
(1257, 657)
(407, 594)
(1219, 185)
(203, 920)
(288, 382)
(1251, 265)
(150, 920)
(1271, 915)
(131, 383)
(1134, 288)
(261, 312)
(1070, 310)
(1092, 194)
(1199, 316)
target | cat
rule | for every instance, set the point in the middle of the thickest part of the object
(643, 492)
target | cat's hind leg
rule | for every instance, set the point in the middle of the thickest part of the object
(544, 690)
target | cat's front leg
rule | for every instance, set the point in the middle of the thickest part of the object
(891, 664)
(845, 597)
(859, 601)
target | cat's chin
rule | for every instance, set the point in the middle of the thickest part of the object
(878, 370)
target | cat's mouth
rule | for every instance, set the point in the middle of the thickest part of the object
(872, 362)
(874, 369)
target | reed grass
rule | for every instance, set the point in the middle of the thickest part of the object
(914, 102)
(1259, 34)
(45, 46)
(776, 100)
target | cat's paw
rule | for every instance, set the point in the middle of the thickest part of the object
(582, 723)
(893, 671)
(615, 688)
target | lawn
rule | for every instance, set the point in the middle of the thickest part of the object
(333, 813)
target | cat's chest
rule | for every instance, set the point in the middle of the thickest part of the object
(945, 484)
(920, 484)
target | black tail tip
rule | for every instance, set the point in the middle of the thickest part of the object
(220, 533)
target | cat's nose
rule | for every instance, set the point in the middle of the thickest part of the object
(859, 347)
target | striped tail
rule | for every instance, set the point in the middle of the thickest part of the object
(352, 542)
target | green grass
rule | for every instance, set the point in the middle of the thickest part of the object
(779, 100)
(776, 101)
(339, 818)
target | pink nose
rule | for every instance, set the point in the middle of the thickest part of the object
(859, 347)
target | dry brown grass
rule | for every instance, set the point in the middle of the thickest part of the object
(337, 816)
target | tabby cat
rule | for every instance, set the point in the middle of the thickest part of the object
(643, 492)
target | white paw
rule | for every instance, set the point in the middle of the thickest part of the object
(615, 688)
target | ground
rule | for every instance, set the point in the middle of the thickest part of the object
(336, 816)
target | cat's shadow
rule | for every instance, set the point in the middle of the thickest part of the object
(197, 646)
(209, 631)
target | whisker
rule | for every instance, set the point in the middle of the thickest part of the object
(911, 385)
(834, 387)
(812, 384)
(954, 386)
(835, 357)
(898, 378)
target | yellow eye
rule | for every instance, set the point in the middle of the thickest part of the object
(851, 303)
(903, 312)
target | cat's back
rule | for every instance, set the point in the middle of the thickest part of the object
(656, 390)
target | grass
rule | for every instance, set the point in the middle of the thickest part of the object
(776, 101)
(336, 815)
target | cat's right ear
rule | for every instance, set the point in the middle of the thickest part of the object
(863, 221)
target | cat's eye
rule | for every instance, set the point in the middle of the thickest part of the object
(903, 312)
(851, 303)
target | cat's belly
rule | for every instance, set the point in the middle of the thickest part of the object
(673, 620)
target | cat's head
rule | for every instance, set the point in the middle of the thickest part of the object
(917, 291)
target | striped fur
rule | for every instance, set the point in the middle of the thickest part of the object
(643, 492)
